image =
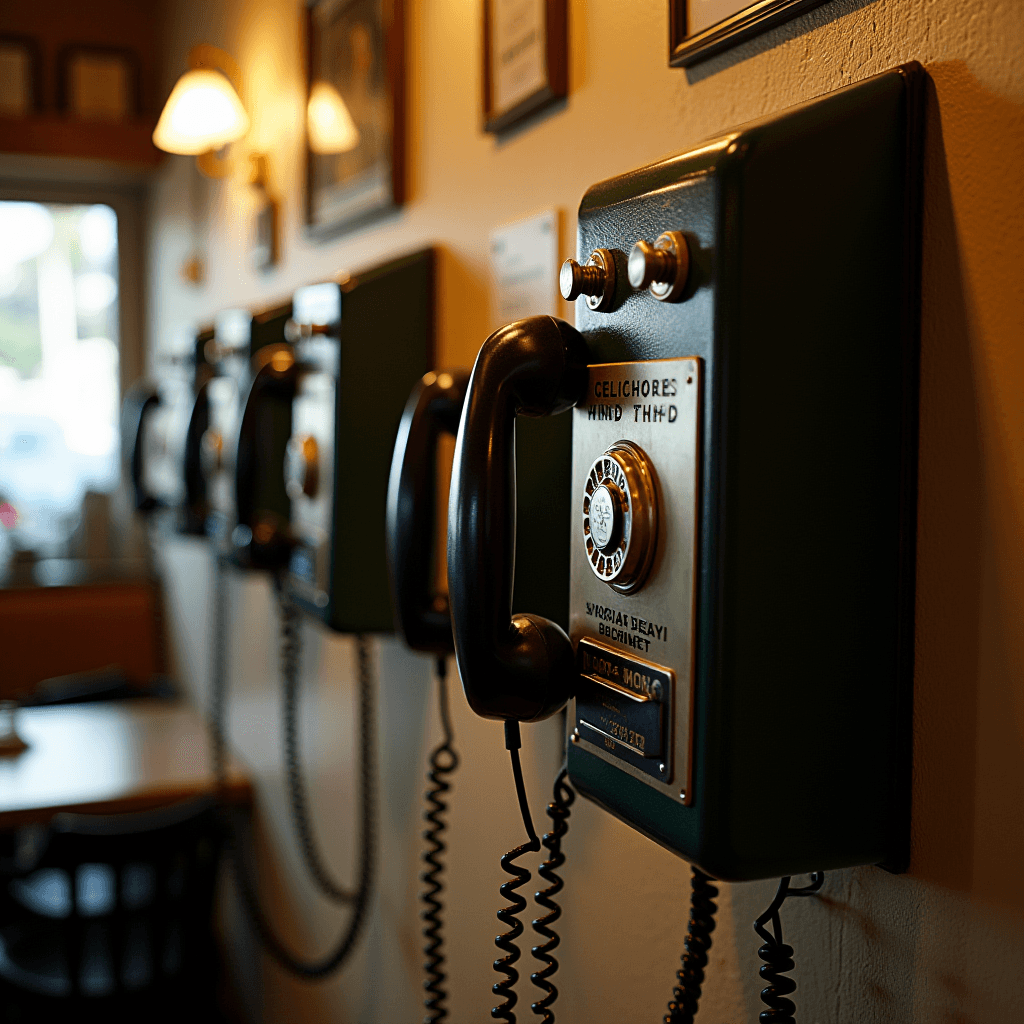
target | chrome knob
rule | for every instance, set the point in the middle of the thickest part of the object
(661, 268)
(594, 279)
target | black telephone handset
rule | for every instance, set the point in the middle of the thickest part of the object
(140, 401)
(434, 408)
(516, 667)
(196, 506)
(261, 539)
(422, 619)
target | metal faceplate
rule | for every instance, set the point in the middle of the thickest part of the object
(220, 444)
(313, 415)
(635, 650)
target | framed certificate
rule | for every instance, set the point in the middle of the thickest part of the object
(699, 29)
(525, 59)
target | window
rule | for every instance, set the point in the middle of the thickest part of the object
(59, 377)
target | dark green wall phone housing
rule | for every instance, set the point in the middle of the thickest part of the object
(362, 343)
(783, 737)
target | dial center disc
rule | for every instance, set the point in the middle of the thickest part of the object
(603, 517)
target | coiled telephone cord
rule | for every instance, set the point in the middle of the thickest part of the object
(291, 652)
(558, 812)
(690, 976)
(507, 915)
(443, 761)
(778, 957)
(330, 962)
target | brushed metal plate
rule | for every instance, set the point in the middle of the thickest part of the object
(655, 405)
(313, 414)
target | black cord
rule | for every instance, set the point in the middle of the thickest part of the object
(558, 812)
(443, 761)
(507, 915)
(291, 652)
(777, 956)
(690, 976)
(326, 965)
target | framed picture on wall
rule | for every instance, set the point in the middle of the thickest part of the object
(21, 76)
(699, 29)
(99, 83)
(355, 117)
(526, 58)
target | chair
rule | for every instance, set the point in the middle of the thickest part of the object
(113, 914)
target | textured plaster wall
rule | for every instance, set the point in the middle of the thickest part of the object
(944, 943)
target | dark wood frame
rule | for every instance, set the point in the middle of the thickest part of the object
(35, 59)
(395, 52)
(758, 16)
(131, 61)
(556, 67)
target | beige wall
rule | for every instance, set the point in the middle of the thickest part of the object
(945, 942)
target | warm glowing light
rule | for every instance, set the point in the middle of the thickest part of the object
(202, 113)
(330, 125)
(94, 291)
(26, 230)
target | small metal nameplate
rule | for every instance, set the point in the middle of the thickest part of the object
(621, 706)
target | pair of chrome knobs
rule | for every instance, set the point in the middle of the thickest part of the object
(662, 268)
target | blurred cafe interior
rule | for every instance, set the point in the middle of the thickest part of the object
(512, 509)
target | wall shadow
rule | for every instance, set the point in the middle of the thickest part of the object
(968, 756)
(806, 23)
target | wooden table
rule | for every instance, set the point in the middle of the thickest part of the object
(109, 758)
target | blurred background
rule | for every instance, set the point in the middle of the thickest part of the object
(130, 276)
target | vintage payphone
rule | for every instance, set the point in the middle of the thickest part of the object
(361, 344)
(154, 416)
(228, 354)
(333, 379)
(243, 455)
(743, 387)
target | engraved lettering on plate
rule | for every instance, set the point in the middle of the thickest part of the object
(636, 462)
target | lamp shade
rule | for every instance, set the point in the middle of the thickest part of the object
(328, 122)
(202, 113)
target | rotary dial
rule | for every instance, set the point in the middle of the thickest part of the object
(620, 516)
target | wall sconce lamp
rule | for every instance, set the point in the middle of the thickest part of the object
(203, 113)
(329, 125)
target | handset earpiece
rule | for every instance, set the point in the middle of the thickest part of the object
(519, 666)
(434, 408)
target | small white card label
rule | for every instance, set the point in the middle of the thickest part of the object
(524, 260)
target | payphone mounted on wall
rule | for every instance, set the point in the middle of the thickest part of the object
(743, 388)
(360, 345)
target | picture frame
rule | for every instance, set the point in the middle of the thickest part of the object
(99, 83)
(21, 76)
(699, 29)
(356, 74)
(525, 59)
